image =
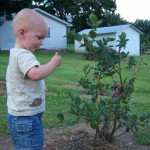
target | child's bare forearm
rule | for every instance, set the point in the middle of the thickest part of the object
(42, 71)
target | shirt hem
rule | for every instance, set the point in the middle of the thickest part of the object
(25, 113)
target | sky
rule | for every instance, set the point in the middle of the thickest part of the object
(131, 10)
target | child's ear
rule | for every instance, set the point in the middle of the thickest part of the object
(21, 33)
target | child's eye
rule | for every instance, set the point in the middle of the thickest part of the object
(40, 37)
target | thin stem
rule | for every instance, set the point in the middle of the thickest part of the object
(97, 133)
(119, 63)
(120, 134)
(140, 63)
(113, 79)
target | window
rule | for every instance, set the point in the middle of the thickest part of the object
(48, 33)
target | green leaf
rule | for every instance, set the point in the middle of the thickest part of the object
(91, 106)
(92, 34)
(133, 118)
(77, 101)
(142, 118)
(123, 54)
(93, 18)
(94, 98)
(89, 23)
(145, 64)
(114, 100)
(93, 124)
(132, 61)
(70, 33)
(101, 104)
(97, 24)
(86, 69)
(93, 21)
(78, 37)
(122, 40)
(70, 122)
(60, 116)
(100, 43)
(110, 39)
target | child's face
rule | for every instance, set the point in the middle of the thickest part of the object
(30, 29)
(33, 38)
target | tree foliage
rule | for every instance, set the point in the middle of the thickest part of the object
(143, 26)
(9, 7)
(78, 9)
(112, 19)
(59, 8)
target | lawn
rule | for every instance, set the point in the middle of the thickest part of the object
(65, 80)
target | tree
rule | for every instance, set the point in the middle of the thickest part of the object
(92, 6)
(144, 26)
(9, 7)
(112, 19)
(58, 8)
(78, 9)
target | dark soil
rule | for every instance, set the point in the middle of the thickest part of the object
(79, 137)
(2, 88)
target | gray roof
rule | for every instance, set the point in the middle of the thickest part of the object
(52, 16)
(111, 29)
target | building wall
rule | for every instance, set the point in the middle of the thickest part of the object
(111, 43)
(77, 44)
(133, 45)
(79, 49)
(7, 39)
(99, 37)
(57, 33)
(56, 40)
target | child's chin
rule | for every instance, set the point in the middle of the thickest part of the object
(33, 50)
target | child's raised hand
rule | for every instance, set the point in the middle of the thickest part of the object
(56, 59)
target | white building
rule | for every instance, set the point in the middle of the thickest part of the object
(54, 40)
(132, 33)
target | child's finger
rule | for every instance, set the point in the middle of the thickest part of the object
(56, 53)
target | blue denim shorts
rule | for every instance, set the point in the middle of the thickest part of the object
(26, 132)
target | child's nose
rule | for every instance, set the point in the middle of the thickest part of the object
(41, 43)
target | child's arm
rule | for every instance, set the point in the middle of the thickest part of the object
(42, 71)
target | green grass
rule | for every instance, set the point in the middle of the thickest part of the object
(65, 79)
(71, 48)
(143, 136)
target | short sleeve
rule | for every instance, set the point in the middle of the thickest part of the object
(26, 61)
